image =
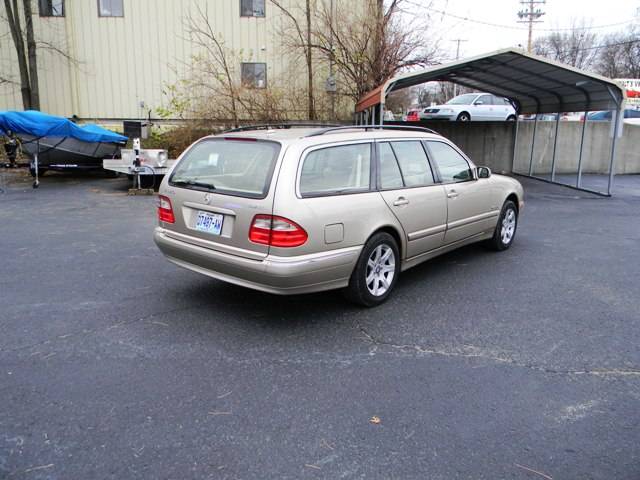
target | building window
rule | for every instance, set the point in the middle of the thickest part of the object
(254, 75)
(252, 8)
(110, 8)
(51, 8)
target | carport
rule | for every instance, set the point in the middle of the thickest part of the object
(535, 85)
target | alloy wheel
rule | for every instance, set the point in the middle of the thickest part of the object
(381, 268)
(508, 227)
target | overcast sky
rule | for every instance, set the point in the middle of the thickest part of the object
(505, 32)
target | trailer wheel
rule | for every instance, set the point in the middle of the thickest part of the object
(147, 181)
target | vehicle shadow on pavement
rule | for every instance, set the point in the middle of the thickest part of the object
(298, 311)
(260, 309)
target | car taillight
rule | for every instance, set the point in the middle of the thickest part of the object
(276, 231)
(165, 211)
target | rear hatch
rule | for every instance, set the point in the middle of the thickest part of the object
(216, 190)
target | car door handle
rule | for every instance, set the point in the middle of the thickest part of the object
(452, 194)
(401, 201)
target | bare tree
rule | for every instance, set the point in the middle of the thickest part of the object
(400, 100)
(213, 70)
(19, 17)
(619, 56)
(302, 40)
(26, 51)
(576, 47)
(368, 46)
(213, 87)
(434, 93)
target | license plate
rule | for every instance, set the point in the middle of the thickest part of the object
(209, 222)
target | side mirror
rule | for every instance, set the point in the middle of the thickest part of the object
(479, 102)
(483, 172)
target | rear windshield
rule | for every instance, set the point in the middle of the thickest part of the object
(236, 167)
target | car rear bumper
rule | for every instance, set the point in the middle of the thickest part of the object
(273, 274)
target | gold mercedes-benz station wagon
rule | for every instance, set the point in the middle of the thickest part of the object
(297, 210)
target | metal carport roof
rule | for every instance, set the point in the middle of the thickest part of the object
(534, 84)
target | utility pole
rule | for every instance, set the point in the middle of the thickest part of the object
(458, 41)
(530, 15)
(331, 86)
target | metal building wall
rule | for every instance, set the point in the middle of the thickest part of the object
(128, 60)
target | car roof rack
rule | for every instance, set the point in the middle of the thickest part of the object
(279, 126)
(372, 127)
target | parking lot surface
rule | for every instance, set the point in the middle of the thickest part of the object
(116, 364)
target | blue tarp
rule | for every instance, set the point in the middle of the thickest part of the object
(42, 125)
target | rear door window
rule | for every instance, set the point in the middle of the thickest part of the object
(335, 170)
(390, 175)
(451, 165)
(232, 166)
(413, 163)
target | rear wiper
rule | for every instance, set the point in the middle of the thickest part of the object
(193, 183)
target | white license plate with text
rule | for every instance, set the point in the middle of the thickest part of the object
(209, 222)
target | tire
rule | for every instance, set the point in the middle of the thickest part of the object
(383, 274)
(148, 181)
(463, 117)
(511, 118)
(505, 231)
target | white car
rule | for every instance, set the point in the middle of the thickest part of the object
(472, 107)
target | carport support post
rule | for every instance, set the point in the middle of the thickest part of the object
(515, 145)
(555, 144)
(533, 144)
(584, 127)
(618, 112)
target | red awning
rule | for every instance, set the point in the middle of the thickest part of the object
(369, 99)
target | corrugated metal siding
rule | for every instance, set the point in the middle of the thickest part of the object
(124, 61)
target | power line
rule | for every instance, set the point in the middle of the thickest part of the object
(512, 27)
(594, 47)
(606, 45)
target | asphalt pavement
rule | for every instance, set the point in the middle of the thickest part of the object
(116, 364)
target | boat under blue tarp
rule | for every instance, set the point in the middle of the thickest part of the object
(38, 124)
(56, 143)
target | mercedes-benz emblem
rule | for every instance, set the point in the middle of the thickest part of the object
(207, 198)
